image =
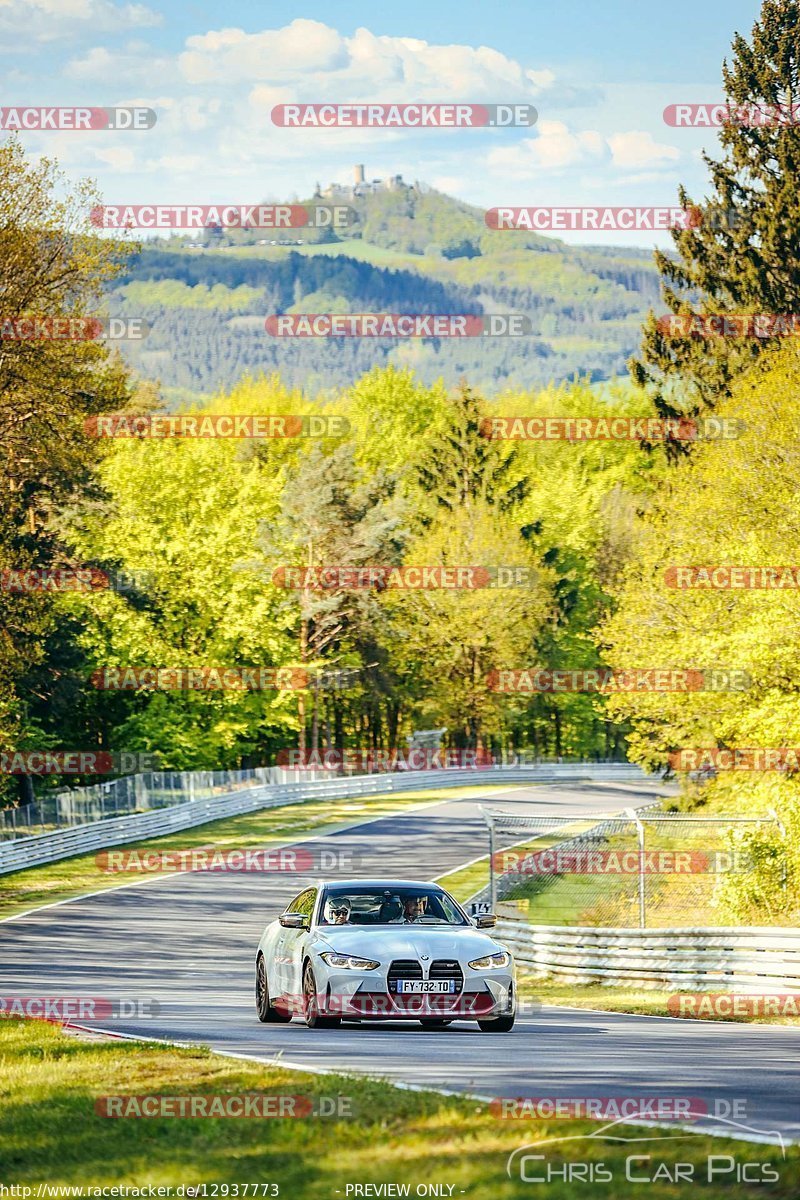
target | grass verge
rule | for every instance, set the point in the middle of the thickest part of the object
(649, 1003)
(50, 1084)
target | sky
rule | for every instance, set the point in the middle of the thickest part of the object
(599, 76)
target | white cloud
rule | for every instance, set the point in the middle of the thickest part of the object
(135, 66)
(121, 158)
(452, 185)
(326, 66)
(554, 148)
(30, 21)
(638, 148)
(274, 54)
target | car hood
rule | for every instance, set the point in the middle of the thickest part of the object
(387, 942)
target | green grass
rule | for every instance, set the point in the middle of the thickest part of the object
(467, 880)
(52, 1133)
(378, 256)
(76, 876)
(646, 1002)
(672, 899)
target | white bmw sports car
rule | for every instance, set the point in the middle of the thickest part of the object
(383, 950)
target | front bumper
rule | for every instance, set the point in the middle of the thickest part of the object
(365, 995)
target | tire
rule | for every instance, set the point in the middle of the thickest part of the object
(266, 1013)
(434, 1023)
(310, 1007)
(498, 1024)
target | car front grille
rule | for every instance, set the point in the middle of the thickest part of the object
(403, 968)
(447, 968)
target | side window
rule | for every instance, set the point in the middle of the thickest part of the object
(304, 903)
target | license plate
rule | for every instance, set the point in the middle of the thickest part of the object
(426, 986)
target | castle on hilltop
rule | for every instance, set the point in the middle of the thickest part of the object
(361, 186)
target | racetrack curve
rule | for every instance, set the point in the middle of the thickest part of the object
(188, 941)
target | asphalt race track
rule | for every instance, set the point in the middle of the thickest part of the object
(188, 941)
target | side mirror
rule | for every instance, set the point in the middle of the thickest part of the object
(294, 920)
(486, 921)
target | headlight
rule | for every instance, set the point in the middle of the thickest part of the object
(491, 961)
(349, 961)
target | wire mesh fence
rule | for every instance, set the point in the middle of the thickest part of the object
(161, 789)
(128, 794)
(644, 868)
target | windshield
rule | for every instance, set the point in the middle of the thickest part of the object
(355, 905)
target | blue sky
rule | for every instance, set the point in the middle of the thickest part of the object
(599, 75)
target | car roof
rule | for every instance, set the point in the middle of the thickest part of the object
(379, 883)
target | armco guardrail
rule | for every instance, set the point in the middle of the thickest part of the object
(115, 831)
(745, 959)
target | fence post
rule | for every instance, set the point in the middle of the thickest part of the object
(492, 878)
(634, 816)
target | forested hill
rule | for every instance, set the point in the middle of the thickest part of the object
(410, 250)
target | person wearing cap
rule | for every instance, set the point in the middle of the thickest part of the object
(339, 910)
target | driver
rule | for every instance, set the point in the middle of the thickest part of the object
(413, 910)
(339, 911)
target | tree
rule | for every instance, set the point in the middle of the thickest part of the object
(742, 256)
(733, 504)
(52, 265)
(453, 638)
(461, 467)
(332, 515)
(184, 515)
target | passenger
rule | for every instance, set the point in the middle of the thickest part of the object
(339, 911)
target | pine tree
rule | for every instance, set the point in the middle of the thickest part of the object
(462, 466)
(741, 256)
